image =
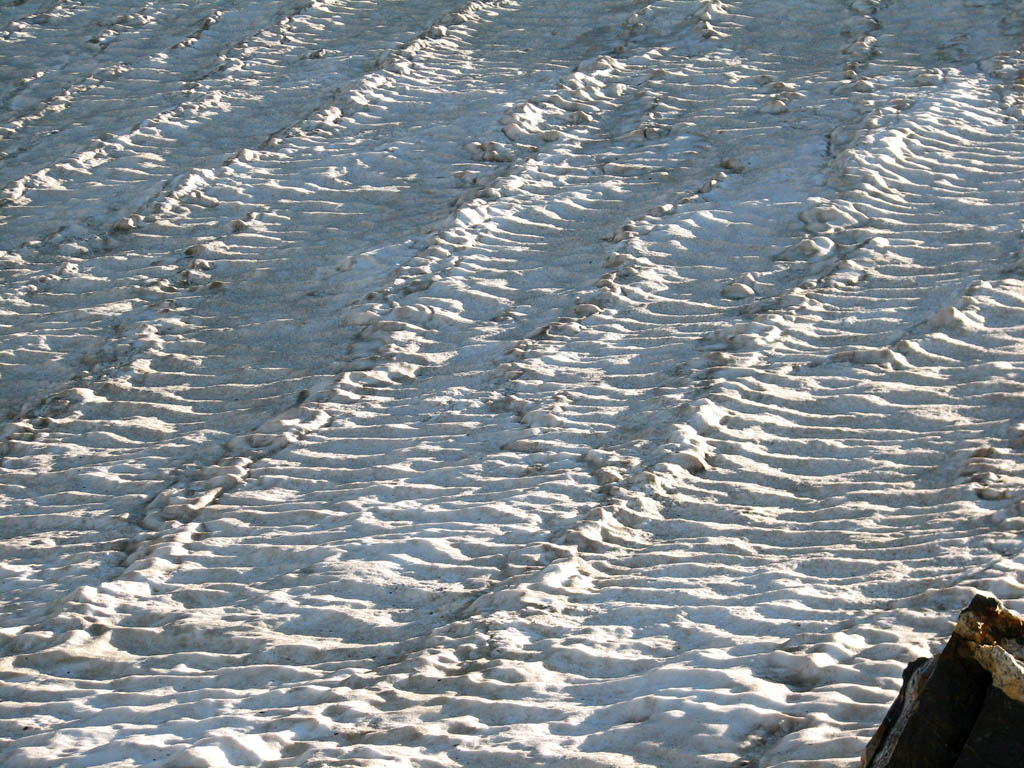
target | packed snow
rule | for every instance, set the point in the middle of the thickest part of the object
(510, 383)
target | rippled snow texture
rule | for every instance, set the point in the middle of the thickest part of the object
(510, 383)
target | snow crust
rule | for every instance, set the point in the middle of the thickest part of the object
(500, 383)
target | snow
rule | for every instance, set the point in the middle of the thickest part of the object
(500, 383)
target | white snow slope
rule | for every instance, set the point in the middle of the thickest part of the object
(500, 383)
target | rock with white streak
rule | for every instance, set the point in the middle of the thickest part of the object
(963, 708)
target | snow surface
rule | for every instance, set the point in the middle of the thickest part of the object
(506, 383)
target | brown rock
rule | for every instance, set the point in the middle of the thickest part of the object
(965, 707)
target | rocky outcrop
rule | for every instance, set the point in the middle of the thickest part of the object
(963, 708)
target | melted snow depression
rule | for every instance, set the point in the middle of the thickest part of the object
(509, 383)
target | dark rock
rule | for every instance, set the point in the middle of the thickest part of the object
(965, 707)
(997, 739)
